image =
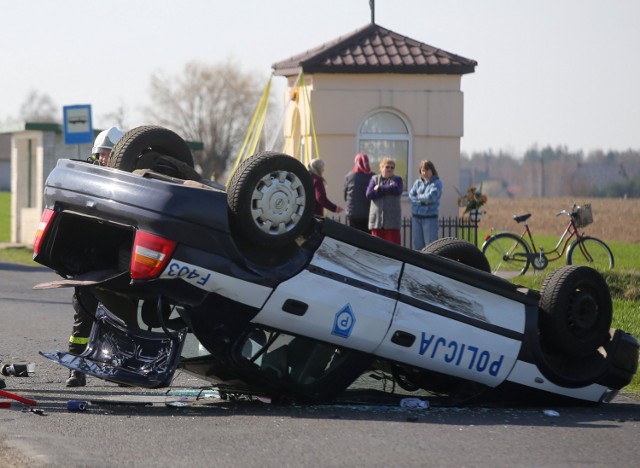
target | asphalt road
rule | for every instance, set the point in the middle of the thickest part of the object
(143, 428)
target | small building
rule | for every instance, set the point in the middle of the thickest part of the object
(380, 92)
(34, 150)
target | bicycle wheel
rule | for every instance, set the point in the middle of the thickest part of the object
(590, 252)
(508, 254)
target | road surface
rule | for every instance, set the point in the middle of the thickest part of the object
(151, 428)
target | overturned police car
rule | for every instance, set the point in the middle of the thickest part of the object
(290, 305)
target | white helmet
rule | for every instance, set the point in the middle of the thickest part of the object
(107, 139)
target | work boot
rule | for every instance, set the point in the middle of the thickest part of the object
(76, 379)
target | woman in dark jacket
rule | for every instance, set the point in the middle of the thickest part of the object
(355, 193)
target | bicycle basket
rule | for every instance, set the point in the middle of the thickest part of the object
(582, 215)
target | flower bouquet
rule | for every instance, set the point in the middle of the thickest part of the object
(472, 201)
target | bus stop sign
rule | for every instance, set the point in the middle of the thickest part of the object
(78, 127)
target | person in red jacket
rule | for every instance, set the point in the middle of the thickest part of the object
(316, 168)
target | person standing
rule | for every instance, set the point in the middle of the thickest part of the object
(316, 168)
(384, 191)
(355, 193)
(424, 197)
(84, 302)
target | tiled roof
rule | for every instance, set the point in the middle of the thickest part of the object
(374, 49)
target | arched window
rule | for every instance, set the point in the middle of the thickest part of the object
(385, 133)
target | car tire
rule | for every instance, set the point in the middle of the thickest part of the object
(575, 311)
(155, 148)
(459, 250)
(271, 199)
(402, 376)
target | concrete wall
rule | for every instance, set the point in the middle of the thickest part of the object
(34, 154)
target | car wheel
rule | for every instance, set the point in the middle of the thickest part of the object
(459, 250)
(271, 198)
(402, 376)
(575, 311)
(155, 148)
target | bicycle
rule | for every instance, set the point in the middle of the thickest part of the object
(510, 255)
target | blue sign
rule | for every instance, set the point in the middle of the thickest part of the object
(344, 322)
(78, 127)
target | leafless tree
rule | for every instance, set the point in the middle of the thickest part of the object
(212, 104)
(39, 107)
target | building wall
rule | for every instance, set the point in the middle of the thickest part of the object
(34, 154)
(432, 105)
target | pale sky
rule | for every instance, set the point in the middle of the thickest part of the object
(550, 72)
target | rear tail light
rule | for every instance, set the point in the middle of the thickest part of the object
(151, 254)
(43, 225)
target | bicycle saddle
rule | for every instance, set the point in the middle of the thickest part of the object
(523, 217)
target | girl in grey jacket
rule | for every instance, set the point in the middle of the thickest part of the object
(424, 197)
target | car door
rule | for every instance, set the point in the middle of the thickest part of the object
(449, 326)
(346, 296)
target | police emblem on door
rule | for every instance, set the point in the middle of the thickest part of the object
(343, 322)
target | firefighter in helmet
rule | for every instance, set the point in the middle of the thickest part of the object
(104, 143)
(84, 302)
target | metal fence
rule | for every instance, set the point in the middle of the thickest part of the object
(461, 228)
